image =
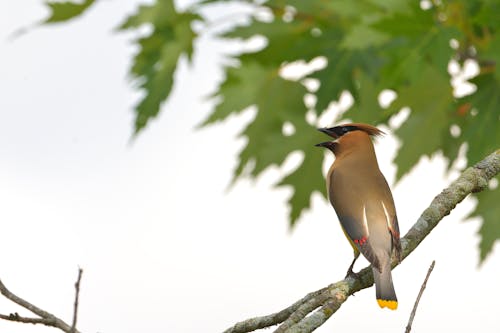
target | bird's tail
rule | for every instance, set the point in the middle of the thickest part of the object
(386, 295)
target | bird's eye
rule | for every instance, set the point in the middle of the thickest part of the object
(347, 129)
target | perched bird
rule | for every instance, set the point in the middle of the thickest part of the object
(363, 202)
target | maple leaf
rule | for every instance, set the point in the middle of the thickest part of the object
(481, 125)
(366, 108)
(421, 134)
(278, 101)
(155, 63)
(489, 210)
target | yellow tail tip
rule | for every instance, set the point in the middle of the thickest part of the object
(383, 303)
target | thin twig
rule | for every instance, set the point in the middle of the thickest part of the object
(414, 311)
(20, 319)
(77, 295)
(46, 318)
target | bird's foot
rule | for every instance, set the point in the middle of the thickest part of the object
(352, 274)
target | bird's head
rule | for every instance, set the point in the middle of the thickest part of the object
(349, 137)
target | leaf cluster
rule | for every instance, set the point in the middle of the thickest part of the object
(369, 46)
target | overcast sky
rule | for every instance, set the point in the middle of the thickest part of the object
(165, 247)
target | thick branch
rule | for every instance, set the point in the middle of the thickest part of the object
(473, 179)
(253, 324)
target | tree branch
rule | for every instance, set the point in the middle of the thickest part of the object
(253, 324)
(46, 318)
(27, 320)
(77, 296)
(331, 298)
(414, 311)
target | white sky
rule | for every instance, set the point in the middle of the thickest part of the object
(163, 246)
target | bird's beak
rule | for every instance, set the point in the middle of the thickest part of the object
(329, 131)
(322, 144)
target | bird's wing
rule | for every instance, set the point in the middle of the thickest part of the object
(359, 237)
(353, 214)
(392, 219)
(396, 243)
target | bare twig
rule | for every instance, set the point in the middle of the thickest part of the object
(77, 296)
(472, 180)
(414, 311)
(46, 318)
(27, 320)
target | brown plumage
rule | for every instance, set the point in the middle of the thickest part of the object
(363, 202)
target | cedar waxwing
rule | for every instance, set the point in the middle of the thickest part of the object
(363, 202)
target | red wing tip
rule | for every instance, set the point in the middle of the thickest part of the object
(383, 303)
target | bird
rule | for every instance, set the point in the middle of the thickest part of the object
(362, 199)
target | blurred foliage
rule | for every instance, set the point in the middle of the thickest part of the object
(369, 46)
(63, 11)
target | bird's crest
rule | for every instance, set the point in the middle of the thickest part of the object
(369, 129)
(338, 131)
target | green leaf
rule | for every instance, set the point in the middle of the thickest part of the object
(266, 144)
(450, 144)
(287, 41)
(339, 74)
(491, 53)
(343, 8)
(407, 58)
(64, 11)
(304, 187)
(488, 15)
(160, 14)
(489, 209)
(418, 40)
(366, 107)
(239, 90)
(370, 45)
(361, 37)
(421, 134)
(481, 128)
(364, 8)
(154, 65)
(278, 101)
(412, 23)
(393, 6)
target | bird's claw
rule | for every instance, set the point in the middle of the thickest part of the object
(352, 274)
